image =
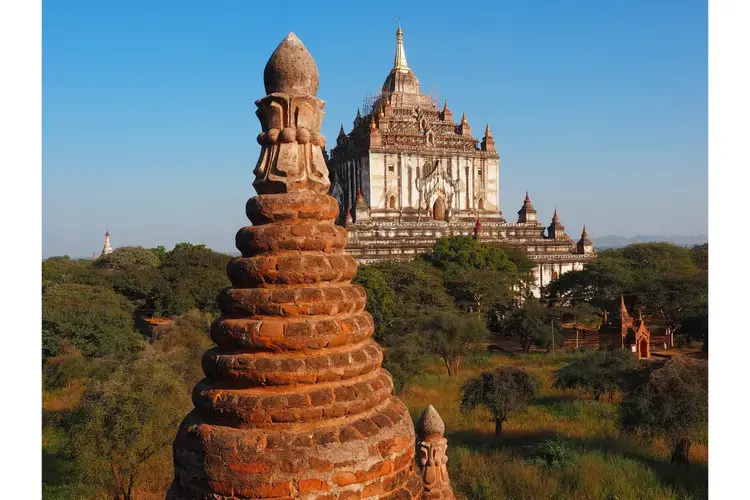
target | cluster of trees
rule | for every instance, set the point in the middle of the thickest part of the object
(443, 303)
(664, 280)
(667, 399)
(136, 386)
(93, 306)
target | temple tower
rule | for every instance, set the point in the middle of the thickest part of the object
(295, 403)
(585, 245)
(107, 246)
(527, 213)
(556, 230)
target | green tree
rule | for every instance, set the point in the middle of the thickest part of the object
(193, 277)
(663, 277)
(96, 320)
(419, 294)
(481, 290)
(452, 336)
(467, 253)
(121, 423)
(61, 270)
(141, 285)
(529, 324)
(123, 257)
(700, 256)
(671, 401)
(380, 298)
(597, 372)
(160, 252)
(405, 359)
(506, 390)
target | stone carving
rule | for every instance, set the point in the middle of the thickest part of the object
(295, 403)
(291, 157)
(431, 455)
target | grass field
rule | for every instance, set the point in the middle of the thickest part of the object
(564, 446)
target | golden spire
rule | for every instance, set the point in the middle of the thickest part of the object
(399, 62)
(487, 132)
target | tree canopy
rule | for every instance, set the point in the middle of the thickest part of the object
(125, 257)
(96, 320)
(670, 401)
(596, 372)
(467, 253)
(506, 390)
(668, 280)
(452, 336)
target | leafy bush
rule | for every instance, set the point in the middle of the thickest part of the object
(596, 372)
(553, 453)
(670, 401)
(121, 423)
(60, 370)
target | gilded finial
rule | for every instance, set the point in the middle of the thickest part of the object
(487, 132)
(399, 62)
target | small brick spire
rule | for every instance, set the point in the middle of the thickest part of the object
(295, 402)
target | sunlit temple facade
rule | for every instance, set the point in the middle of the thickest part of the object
(407, 174)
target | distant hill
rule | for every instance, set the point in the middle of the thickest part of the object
(613, 241)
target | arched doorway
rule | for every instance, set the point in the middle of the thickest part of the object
(481, 204)
(643, 349)
(392, 202)
(438, 209)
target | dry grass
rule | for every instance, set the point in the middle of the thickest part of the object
(603, 463)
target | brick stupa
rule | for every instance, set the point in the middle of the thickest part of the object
(295, 403)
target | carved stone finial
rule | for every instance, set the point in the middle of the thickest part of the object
(291, 69)
(430, 424)
(292, 155)
(431, 455)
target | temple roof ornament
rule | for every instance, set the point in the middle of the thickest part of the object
(401, 78)
(527, 207)
(291, 69)
(399, 61)
(430, 424)
(556, 229)
(585, 237)
(291, 157)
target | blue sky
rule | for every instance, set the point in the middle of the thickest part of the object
(598, 108)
